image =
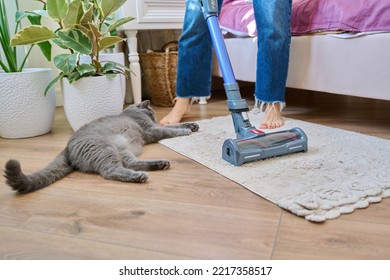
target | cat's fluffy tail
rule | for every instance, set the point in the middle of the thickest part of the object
(22, 183)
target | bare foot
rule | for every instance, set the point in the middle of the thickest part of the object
(272, 116)
(181, 108)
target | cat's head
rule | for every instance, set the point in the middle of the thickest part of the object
(143, 108)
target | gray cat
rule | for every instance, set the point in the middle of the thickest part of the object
(108, 146)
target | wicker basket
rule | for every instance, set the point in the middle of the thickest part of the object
(159, 74)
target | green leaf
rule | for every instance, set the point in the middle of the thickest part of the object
(31, 35)
(9, 52)
(108, 66)
(87, 17)
(83, 29)
(34, 19)
(74, 15)
(110, 6)
(114, 67)
(95, 31)
(66, 62)
(55, 80)
(57, 9)
(76, 40)
(45, 49)
(124, 68)
(73, 77)
(5, 68)
(60, 43)
(86, 69)
(111, 75)
(33, 16)
(42, 13)
(19, 15)
(118, 23)
(109, 41)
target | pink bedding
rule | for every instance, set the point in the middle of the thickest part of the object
(309, 16)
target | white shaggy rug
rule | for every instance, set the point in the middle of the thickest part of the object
(342, 171)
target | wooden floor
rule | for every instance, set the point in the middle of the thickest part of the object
(187, 211)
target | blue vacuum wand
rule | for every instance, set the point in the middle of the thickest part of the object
(251, 144)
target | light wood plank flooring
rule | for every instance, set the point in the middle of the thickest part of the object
(187, 211)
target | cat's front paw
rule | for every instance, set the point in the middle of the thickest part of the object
(193, 126)
(160, 165)
(140, 177)
(164, 164)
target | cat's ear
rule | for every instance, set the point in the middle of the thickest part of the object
(144, 104)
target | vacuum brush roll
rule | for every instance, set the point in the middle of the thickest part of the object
(240, 151)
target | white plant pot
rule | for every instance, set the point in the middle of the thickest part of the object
(90, 98)
(24, 109)
(118, 57)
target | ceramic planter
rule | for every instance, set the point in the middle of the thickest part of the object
(118, 57)
(24, 109)
(90, 98)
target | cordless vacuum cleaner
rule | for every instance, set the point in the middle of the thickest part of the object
(251, 144)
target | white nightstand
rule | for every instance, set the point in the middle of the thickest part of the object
(149, 15)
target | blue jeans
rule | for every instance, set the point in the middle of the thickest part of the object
(195, 51)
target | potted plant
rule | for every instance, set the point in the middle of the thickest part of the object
(24, 110)
(92, 89)
(112, 53)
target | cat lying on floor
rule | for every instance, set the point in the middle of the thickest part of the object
(108, 146)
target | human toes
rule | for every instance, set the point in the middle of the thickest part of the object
(169, 120)
(271, 125)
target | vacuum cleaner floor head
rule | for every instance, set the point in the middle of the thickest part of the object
(240, 151)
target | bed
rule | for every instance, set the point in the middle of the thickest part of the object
(340, 47)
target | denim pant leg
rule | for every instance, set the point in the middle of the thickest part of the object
(273, 28)
(195, 54)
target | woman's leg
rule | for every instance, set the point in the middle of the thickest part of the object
(194, 62)
(273, 28)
